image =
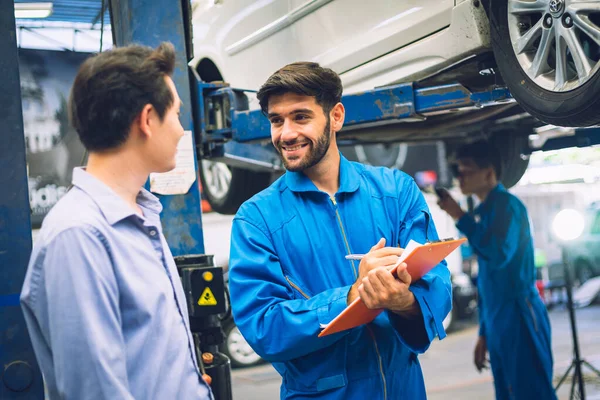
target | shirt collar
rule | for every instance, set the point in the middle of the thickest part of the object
(113, 207)
(349, 179)
(490, 197)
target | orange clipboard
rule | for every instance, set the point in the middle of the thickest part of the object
(419, 262)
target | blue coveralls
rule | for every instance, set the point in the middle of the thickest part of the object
(288, 275)
(513, 317)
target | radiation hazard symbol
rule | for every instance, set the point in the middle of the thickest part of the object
(207, 298)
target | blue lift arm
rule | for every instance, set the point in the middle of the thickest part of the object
(230, 132)
(226, 116)
(227, 122)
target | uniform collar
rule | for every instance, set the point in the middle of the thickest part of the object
(349, 179)
(489, 200)
(113, 207)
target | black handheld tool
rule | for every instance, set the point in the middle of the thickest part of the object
(442, 193)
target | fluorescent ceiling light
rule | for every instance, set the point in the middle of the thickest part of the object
(33, 10)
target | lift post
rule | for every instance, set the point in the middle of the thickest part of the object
(21, 377)
(136, 21)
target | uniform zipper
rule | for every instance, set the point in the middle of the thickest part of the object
(292, 284)
(380, 363)
(337, 214)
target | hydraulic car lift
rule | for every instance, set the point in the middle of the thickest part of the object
(224, 128)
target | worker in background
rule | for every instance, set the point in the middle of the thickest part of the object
(288, 271)
(514, 326)
(102, 298)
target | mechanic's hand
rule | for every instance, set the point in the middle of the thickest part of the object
(381, 289)
(448, 204)
(481, 361)
(378, 256)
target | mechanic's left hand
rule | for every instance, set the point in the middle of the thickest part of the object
(380, 289)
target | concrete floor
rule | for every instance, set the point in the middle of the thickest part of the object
(448, 368)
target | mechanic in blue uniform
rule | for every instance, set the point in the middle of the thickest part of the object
(514, 325)
(288, 271)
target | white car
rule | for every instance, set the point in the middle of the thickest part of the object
(545, 51)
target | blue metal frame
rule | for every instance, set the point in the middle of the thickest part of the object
(232, 133)
(136, 21)
(21, 377)
(373, 107)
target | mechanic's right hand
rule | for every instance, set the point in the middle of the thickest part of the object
(481, 361)
(378, 256)
(448, 204)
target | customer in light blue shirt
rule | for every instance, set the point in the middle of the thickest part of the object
(102, 298)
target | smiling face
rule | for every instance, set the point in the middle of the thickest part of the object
(300, 130)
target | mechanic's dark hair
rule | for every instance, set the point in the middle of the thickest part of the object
(304, 78)
(483, 154)
(111, 89)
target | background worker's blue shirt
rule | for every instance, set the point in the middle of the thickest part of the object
(499, 234)
(288, 275)
(104, 303)
(513, 318)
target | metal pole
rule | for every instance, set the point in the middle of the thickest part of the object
(135, 21)
(577, 359)
(21, 377)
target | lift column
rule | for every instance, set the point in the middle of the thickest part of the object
(20, 374)
(149, 24)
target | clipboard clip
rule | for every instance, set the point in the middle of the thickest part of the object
(442, 240)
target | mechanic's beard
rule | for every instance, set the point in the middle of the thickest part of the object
(314, 155)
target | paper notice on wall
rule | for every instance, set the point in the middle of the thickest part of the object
(181, 178)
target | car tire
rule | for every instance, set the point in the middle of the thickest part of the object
(237, 348)
(226, 188)
(510, 146)
(576, 105)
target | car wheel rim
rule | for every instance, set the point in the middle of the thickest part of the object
(217, 178)
(239, 349)
(557, 42)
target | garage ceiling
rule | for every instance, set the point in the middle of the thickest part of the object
(71, 11)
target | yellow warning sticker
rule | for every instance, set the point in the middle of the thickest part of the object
(207, 298)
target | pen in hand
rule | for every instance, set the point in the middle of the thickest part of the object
(355, 256)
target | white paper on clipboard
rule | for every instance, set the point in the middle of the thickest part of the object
(181, 178)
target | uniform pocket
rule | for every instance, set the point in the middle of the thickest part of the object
(320, 371)
(297, 289)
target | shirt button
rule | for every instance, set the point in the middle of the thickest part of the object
(152, 232)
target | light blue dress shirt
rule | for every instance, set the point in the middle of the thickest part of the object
(104, 304)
